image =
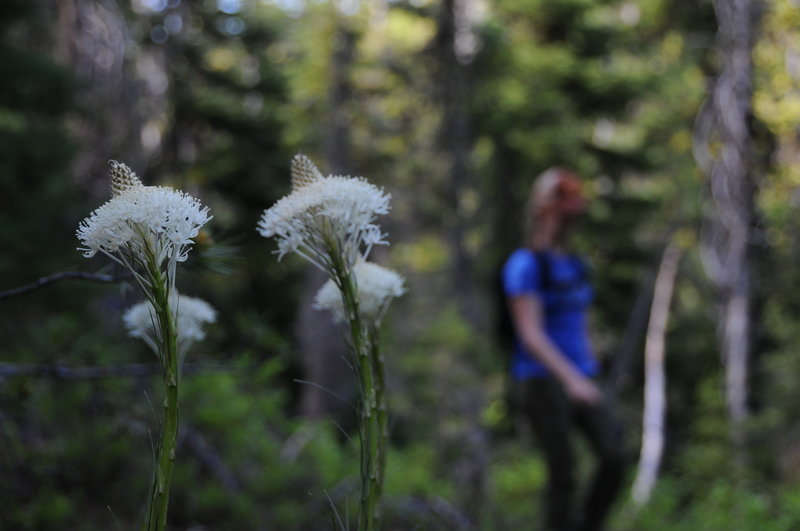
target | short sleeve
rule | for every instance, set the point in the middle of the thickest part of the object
(521, 274)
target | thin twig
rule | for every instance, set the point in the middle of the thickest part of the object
(64, 275)
(59, 372)
(326, 390)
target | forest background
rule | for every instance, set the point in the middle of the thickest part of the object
(452, 106)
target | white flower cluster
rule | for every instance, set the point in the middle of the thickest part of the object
(190, 314)
(326, 216)
(142, 220)
(377, 286)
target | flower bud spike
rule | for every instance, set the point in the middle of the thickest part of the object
(304, 172)
(122, 178)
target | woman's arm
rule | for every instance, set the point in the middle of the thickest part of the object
(526, 313)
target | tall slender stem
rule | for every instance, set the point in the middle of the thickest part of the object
(168, 353)
(369, 513)
(378, 366)
(370, 473)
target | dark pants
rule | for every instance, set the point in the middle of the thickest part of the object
(554, 419)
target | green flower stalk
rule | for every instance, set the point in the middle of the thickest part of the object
(376, 287)
(330, 222)
(149, 230)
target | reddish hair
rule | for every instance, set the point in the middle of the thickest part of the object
(556, 189)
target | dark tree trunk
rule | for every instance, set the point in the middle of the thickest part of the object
(452, 64)
(337, 139)
(453, 84)
(91, 37)
(323, 354)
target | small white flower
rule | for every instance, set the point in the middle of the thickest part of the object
(325, 217)
(376, 287)
(190, 315)
(140, 222)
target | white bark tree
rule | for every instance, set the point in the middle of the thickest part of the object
(723, 148)
(655, 380)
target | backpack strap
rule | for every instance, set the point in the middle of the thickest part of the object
(583, 269)
(545, 269)
(545, 261)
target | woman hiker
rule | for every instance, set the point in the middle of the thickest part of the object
(548, 295)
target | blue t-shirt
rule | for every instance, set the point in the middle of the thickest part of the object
(565, 301)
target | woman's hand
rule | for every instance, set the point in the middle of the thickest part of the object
(582, 390)
(526, 310)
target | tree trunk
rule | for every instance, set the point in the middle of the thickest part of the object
(724, 123)
(454, 133)
(453, 55)
(92, 38)
(655, 378)
(337, 139)
(323, 356)
(627, 352)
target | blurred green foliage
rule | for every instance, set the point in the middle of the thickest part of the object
(608, 88)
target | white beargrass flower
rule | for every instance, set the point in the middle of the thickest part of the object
(142, 225)
(330, 221)
(376, 287)
(148, 230)
(190, 315)
(326, 217)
